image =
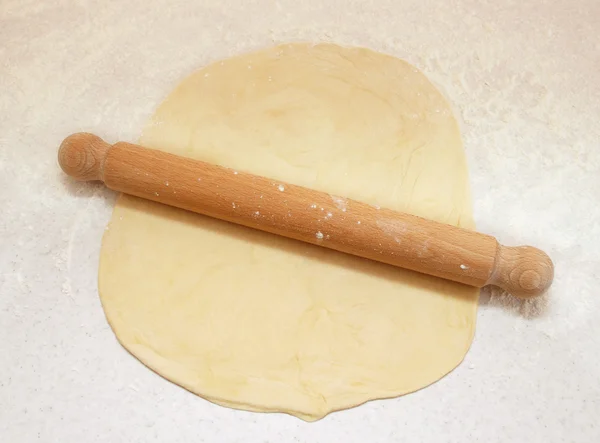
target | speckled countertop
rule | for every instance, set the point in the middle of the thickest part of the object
(522, 76)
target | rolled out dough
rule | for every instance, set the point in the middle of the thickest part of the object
(256, 322)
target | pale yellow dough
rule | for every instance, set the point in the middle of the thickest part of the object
(257, 322)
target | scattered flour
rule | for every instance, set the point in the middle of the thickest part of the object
(340, 202)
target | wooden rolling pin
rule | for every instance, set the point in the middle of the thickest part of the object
(315, 217)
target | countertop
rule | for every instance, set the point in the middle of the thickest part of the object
(523, 79)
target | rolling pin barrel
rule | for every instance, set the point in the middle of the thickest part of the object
(311, 216)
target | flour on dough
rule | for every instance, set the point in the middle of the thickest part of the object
(257, 322)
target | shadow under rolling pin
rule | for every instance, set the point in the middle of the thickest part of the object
(345, 225)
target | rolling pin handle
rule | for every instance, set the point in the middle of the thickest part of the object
(82, 156)
(523, 271)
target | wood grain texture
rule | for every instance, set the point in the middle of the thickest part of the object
(522, 270)
(315, 217)
(82, 156)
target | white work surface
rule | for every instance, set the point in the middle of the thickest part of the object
(524, 79)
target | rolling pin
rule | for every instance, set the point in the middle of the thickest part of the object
(334, 222)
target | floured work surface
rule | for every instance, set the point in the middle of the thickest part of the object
(257, 322)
